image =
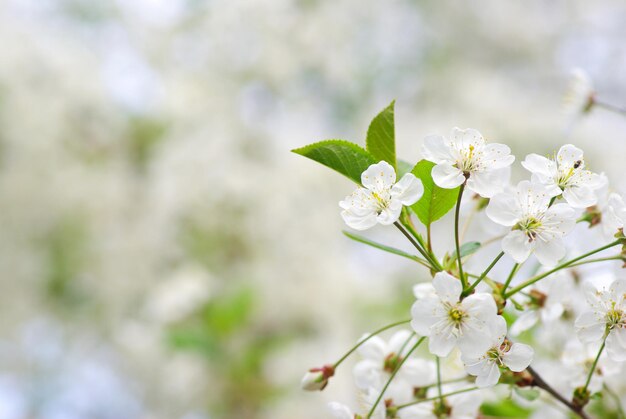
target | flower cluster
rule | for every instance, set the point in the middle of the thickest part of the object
(472, 321)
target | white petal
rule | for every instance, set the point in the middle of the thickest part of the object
(491, 378)
(497, 156)
(463, 138)
(519, 357)
(549, 253)
(448, 288)
(482, 306)
(423, 290)
(374, 348)
(503, 209)
(484, 184)
(568, 155)
(540, 165)
(408, 190)
(516, 245)
(436, 150)
(390, 214)
(447, 176)
(561, 218)
(441, 344)
(425, 313)
(580, 197)
(398, 341)
(614, 348)
(524, 322)
(367, 373)
(589, 327)
(379, 177)
(419, 372)
(340, 411)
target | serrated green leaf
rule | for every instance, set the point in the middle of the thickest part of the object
(529, 394)
(381, 136)
(380, 246)
(342, 156)
(467, 249)
(436, 201)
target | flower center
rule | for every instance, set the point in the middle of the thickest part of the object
(530, 226)
(614, 318)
(381, 202)
(566, 175)
(392, 362)
(456, 316)
(468, 161)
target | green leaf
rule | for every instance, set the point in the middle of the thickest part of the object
(346, 158)
(436, 201)
(529, 394)
(504, 409)
(467, 249)
(381, 136)
(386, 248)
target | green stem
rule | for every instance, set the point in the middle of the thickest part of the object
(393, 374)
(559, 267)
(361, 342)
(415, 237)
(439, 392)
(483, 275)
(456, 236)
(596, 260)
(510, 278)
(430, 399)
(595, 363)
(610, 107)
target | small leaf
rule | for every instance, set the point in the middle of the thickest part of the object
(529, 394)
(342, 156)
(381, 136)
(389, 249)
(467, 249)
(436, 201)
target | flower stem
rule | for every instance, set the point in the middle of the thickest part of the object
(610, 107)
(596, 260)
(430, 399)
(559, 267)
(595, 363)
(483, 275)
(439, 392)
(371, 335)
(456, 235)
(416, 241)
(393, 374)
(510, 278)
(539, 382)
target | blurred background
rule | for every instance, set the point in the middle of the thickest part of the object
(164, 255)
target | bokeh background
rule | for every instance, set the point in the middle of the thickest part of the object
(164, 255)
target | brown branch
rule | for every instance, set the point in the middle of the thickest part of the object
(539, 382)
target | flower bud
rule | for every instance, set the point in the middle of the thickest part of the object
(317, 378)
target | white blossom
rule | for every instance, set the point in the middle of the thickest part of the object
(381, 359)
(577, 359)
(579, 96)
(502, 353)
(612, 209)
(458, 406)
(565, 175)
(607, 316)
(537, 227)
(448, 321)
(465, 155)
(366, 401)
(380, 200)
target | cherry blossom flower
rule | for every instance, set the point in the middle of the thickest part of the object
(465, 156)
(579, 96)
(577, 359)
(502, 353)
(607, 317)
(380, 200)
(565, 175)
(381, 359)
(537, 227)
(448, 321)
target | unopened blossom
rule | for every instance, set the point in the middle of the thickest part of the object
(450, 322)
(579, 96)
(536, 227)
(316, 379)
(366, 401)
(565, 175)
(501, 353)
(381, 359)
(380, 200)
(466, 156)
(606, 319)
